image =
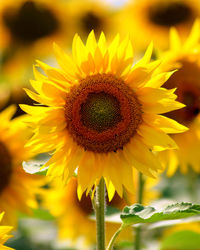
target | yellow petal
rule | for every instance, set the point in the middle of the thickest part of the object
(166, 124)
(155, 138)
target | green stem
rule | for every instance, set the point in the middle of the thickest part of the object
(100, 214)
(110, 245)
(139, 200)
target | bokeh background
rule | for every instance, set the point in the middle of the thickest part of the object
(28, 29)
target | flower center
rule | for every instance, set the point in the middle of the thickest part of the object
(102, 113)
(188, 91)
(91, 21)
(5, 167)
(169, 14)
(30, 22)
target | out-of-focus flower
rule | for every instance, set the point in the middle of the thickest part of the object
(4, 230)
(27, 30)
(151, 20)
(92, 15)
(31, 25)
(17, 188)
(102, 114)
(186, 56)
(192, 226)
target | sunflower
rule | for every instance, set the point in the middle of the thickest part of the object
(149, 20)
(187, 81)
(69, 211)
(17, 188)
(4, 230)
(101, 114)
(26, 23)
(27, 28)
(91, 15)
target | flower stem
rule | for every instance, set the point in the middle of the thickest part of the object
(139, 200)
(109, 247)
(100, 214)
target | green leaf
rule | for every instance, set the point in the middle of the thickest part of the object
(146, 214)
(182, 240)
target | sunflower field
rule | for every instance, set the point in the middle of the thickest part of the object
(100, 124)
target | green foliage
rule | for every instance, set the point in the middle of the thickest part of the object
(181, 240)
(146, 214)
(38, 213)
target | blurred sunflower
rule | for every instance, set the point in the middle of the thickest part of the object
(32, 25)
(91, 15)
(185, 55)
(27, 30)
(150, 192)
(192, 226)
(17, 188)
(102, 114)
(149, 20)
(4, 230)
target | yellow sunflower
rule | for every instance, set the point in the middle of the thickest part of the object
(149, 20)
(192, 226)
(4, 230)
(17, 188)
(32, 24)
(91, 15)
(185, 55)
(101, 114)
(27, 29)
(69, 211)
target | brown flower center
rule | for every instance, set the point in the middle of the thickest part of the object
(187, 82)
(30, 22)
(102, 113)
(90, 21)
(169, 13)
(5, 167)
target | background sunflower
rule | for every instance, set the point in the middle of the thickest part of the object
(17, 188)
(186, 55)
(148, 21)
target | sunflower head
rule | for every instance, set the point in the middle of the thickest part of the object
(29, 21)
(101, 114)
(13, 180)
(185, 55)
(91, 15)
(152, 20)
(22, 23)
